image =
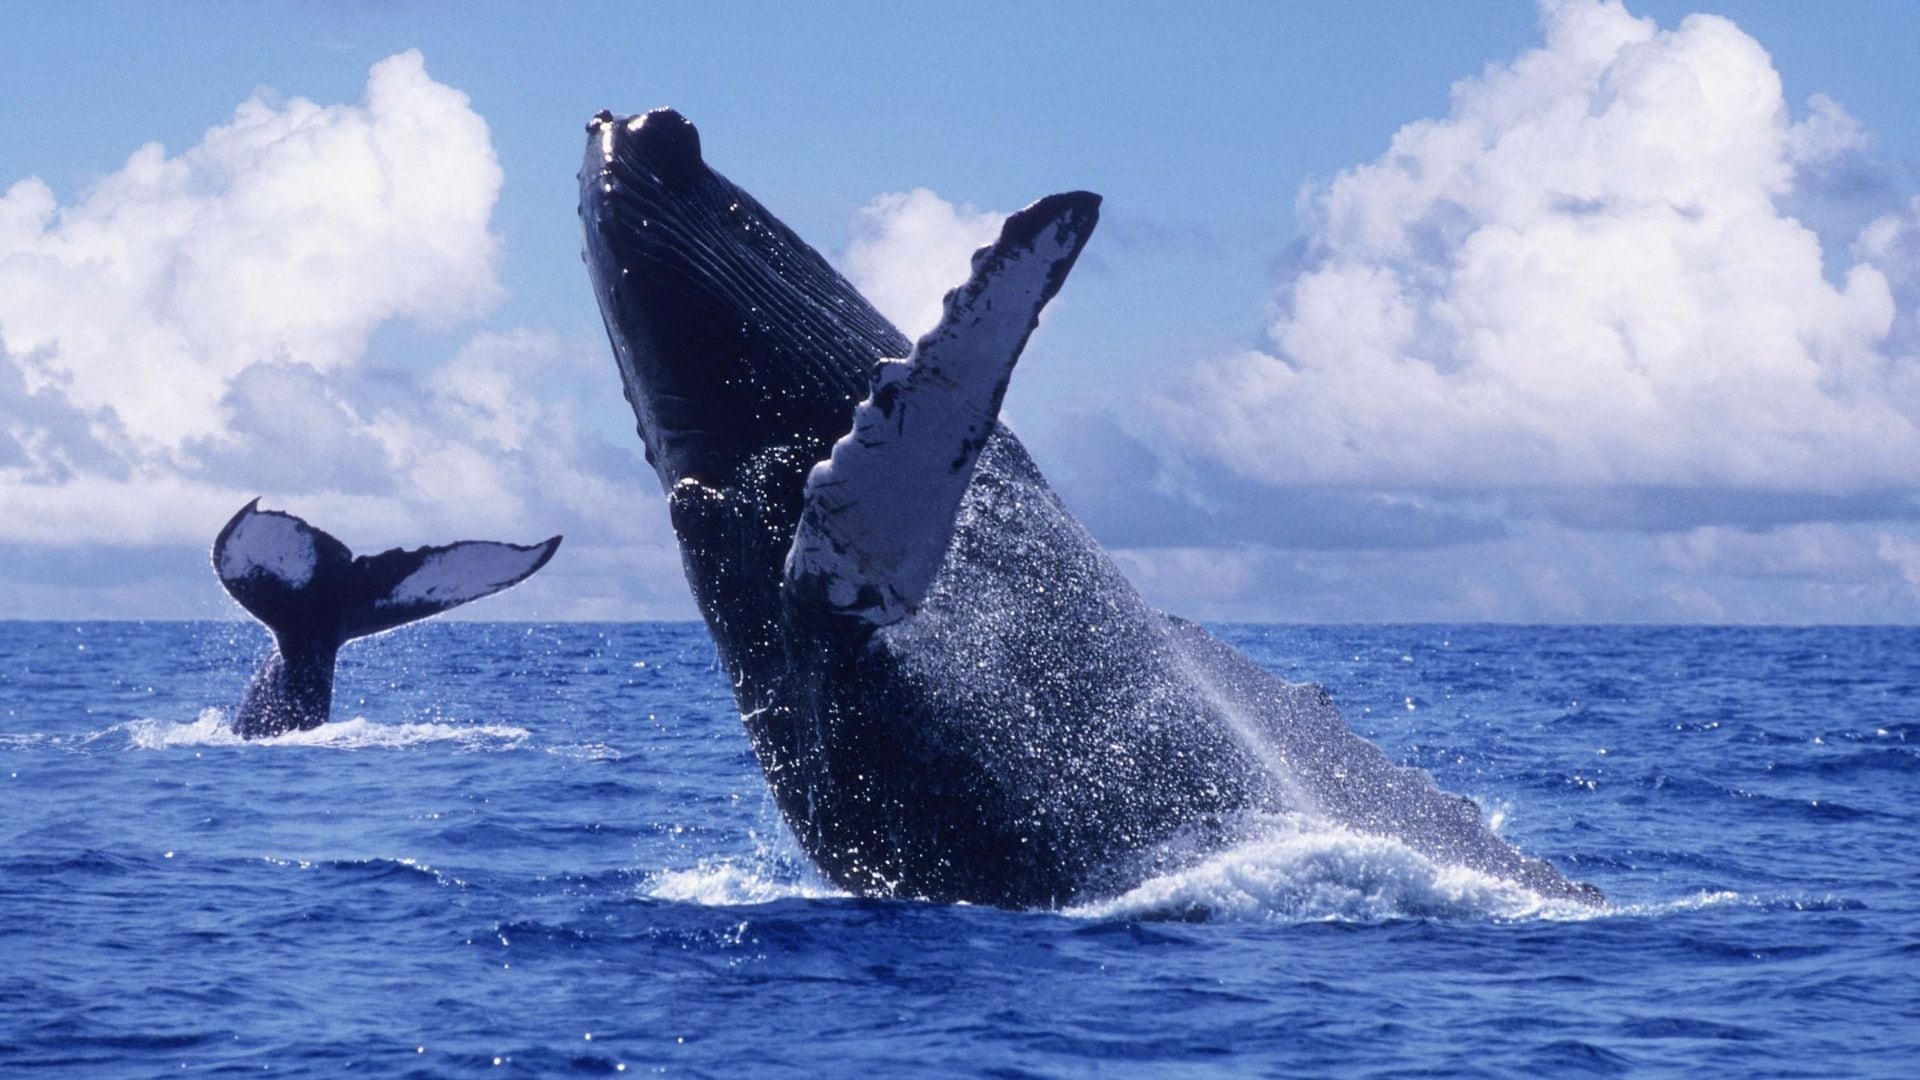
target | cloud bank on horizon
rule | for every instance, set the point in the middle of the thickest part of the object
(1622, 336)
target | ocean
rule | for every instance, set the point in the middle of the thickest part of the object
(546, 850)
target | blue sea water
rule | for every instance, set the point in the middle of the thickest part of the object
(546, 850)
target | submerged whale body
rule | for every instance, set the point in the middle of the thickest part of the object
(953, 692)
(315, 596)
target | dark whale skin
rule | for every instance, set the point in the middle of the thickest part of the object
(314, 596)
(1034, 734)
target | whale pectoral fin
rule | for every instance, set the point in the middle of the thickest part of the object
(275, 563)
(397, 587)
(879, 512)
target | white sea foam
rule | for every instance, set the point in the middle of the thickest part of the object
(1298, 870)
(731, 882)
(359, 733)
(209, 729)
(212, 729)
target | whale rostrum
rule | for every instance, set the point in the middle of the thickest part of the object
(953, 693)
(314, 595)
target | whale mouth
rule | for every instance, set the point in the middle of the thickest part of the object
(723, 321)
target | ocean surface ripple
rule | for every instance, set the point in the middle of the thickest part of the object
(546, 850)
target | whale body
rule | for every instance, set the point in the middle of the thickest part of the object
(315, 596)
(953, 692)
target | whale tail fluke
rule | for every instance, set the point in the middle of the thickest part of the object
(399, 586)
(303, 583)
(280, 569)
(315, 596)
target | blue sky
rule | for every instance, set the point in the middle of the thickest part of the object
(1454, 312)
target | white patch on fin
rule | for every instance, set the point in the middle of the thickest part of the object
(879, 511)
(263, 541)
(466, 571)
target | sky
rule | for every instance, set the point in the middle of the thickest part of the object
(1556, 313)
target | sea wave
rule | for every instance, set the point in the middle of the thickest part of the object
(402, 868)
(1295, 869)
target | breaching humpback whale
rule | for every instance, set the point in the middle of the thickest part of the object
(315, 596)
(953, 692)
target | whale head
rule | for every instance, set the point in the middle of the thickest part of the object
(733, 337)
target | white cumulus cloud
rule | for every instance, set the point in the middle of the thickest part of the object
(908, 249)
(287, 235)
(1580, 277)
